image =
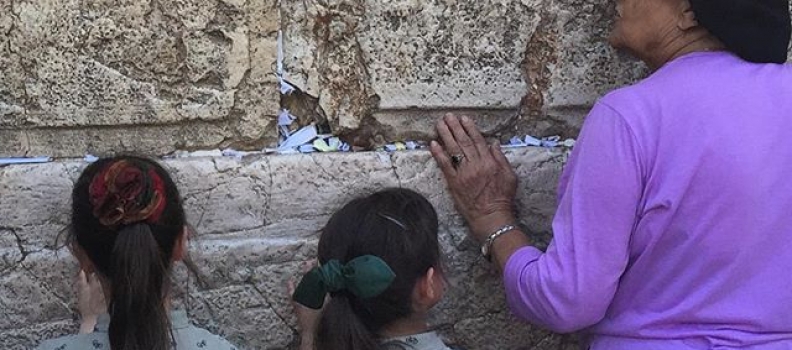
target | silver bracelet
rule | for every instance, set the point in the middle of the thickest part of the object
(486, 248)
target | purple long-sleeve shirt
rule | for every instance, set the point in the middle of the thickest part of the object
(674, 224)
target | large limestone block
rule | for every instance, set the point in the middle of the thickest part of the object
(72, 66)
(434, 54)
(358, 56)
(124, 62)
(316, 185)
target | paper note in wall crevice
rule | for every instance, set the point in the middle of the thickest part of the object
(21, 160)
(285, 87)
(299, 138)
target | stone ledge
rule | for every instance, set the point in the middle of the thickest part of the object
(257, 220)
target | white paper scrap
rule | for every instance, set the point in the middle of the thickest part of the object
(532, 141)
(285, 87)
(299, 138)
(20, 160)
(285, 117)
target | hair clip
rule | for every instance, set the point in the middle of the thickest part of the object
(393, 220)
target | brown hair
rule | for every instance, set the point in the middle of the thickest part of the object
(400, 227)
(127, 217)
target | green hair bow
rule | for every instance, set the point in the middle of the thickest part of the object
(366, 277)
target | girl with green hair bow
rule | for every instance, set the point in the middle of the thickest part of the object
(379, 275)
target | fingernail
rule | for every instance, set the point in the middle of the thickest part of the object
(433, 143)
(465, 118)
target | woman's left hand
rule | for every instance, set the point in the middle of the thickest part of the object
(480, 178)
(90, 301)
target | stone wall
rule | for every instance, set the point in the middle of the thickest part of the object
(158, 76)
(256, 221)
(154, 76)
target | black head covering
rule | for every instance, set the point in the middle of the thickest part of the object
(756, 30)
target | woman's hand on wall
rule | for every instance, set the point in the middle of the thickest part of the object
(480, 178)
(90, 301)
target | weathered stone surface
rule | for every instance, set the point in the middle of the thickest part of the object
(377, 71)
(417, 124)
(12, 77)
(512, 334)
(255, 114)
(361, 56)
(263, 23)
(20, 339)
(431, 54)
(325, 57)
(44, 190)
(152, 140)
(569, 65)
(315, 186)
(257, 221)
(91, 67)
(550, 58)
(248, 311)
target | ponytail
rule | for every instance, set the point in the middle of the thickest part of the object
(138, 318)
(340, 328)
(387, 242)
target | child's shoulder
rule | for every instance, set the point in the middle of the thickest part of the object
(424, 341)
(189, 338)
(198, 338)
(76, 342)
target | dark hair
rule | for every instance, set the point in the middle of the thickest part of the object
(127, 217)
(756, 30)
(400, 227)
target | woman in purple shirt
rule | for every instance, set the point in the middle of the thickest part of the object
(674, 221)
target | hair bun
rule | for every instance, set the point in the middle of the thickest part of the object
(125, 193)
(756, 30)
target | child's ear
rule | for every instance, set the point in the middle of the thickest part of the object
(429, 289)
(180, 249)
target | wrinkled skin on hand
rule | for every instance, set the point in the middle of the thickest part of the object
(483, 183)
